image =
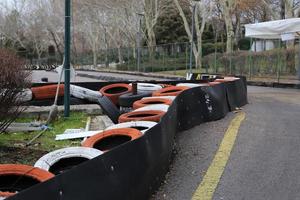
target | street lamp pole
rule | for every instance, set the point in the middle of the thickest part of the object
(67, 57)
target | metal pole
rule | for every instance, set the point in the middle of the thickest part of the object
(67, 57)
(192, 39)
(250, 62)
(279, 63)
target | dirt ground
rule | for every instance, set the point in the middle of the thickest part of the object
(13, 155)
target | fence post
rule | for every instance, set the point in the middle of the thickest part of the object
(128, 59)
(279, 64)
(186, 57)
(215, 57)
(250, 61)
(230, 59)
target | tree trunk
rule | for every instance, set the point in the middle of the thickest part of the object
(120, 56)
(151, 15)
(229, 30)
(289, 6)
(61, 55)
(227, 6)
(151, 41)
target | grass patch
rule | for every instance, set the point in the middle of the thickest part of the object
(47, 141)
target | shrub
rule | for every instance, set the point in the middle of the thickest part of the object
(13, 79)
(209, 48)
(261, 63)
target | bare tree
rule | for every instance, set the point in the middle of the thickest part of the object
(203, 11)
(151, 13)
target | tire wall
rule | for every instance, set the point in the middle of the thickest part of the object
(136, 169)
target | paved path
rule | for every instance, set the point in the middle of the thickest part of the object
(264, 162)
(120, 76)
(53, 77)
(90, 76)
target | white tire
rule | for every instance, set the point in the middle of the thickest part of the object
(144, 124)
(161, 107)
(192, 85)
(162, 97)
(148, 87)
(231, 78)
(53, 157)
(84, 93)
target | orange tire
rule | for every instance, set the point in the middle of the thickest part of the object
(47, 92)
(114, 91)
(152, 101)
(170, 91)
(23, 170)
(6, 194)
(214, 83)
(96, 139)
(149, 115)
(226, 79)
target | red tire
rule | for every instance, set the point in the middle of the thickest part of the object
(146, 102)
(47, 92)
(149, 115)
(114, 91)
(170, 91)
(95, 141)
(34, 173)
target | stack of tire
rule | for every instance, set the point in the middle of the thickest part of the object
(44, 95)
(147, 108)
(152, 109)
(15, 178)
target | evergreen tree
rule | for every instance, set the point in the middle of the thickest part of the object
(169, 28)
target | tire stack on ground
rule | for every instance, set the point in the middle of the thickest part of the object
(148, 106)
(143, 90)
(151, 101)
(155, 111)
(223, 80)
(15, 178)
(126, 100)
(45, 95)
(142, 126)
(192, 85)
(170, 91)
(61, 160)
(47, 92)
(109, 139)
(114, 91)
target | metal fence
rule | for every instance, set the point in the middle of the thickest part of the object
(268, 60)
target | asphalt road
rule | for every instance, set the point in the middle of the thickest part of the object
(37, 75)
(120, 76)
(89, 76)
(265, 160)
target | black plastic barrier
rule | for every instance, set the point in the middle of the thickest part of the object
(136, 169)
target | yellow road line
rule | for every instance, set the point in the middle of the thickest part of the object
(206, 189)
